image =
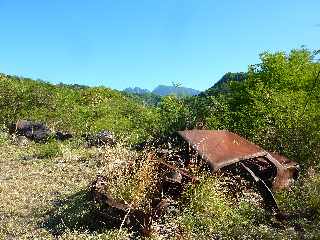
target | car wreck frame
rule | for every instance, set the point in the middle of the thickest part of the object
(220, 148)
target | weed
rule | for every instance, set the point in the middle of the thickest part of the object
(48, 150)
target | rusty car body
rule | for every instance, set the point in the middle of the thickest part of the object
(221, 148)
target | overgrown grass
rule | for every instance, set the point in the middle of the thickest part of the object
(213, 214)
(34, 190)
(44, 188)
(47, 198)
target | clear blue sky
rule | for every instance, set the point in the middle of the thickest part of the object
(121, 43)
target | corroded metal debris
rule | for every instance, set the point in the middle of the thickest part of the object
(223, 148)
(220, 149)
(117, 213)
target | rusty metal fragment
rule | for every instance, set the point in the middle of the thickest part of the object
(117, 213)
(264, 190)
(221, 148)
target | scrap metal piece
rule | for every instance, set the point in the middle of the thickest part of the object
(117, 213)
(264, 191)
(221, 148)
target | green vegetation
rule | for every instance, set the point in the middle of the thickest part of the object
(48, 150)
(276, 106)
(78, 110)
(43, 187)
(148, 98)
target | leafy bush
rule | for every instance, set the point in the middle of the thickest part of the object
(3, 135)
(48, 150)
(174, 115)
(303, 198)
(274, 105)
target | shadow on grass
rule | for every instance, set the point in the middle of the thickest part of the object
(76, 213)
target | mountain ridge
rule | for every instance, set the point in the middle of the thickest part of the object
(164, 90)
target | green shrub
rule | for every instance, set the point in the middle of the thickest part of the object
(304, 195)
(174, 115)
(211, 213)
(3, 137)
(48, 150)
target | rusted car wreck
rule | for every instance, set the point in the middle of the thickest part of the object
(223, 148)
(220, 150)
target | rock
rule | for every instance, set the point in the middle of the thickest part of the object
(102, 138)
(62, 136)
(32, 130)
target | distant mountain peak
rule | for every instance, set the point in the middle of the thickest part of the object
(136, 90)
(164, 90)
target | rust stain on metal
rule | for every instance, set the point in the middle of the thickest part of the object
(223, 148)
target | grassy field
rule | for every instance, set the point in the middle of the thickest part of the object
(44, 195)
(38, 195)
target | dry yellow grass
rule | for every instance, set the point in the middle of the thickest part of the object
(31, 188)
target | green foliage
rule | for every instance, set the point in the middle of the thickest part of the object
(147, 98)
(3, 135)
(48, 150)
(276, 106)
(174, 115)
(303, 198)
(78, 110)
(213, 214)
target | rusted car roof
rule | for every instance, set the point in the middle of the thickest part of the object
(220, 148)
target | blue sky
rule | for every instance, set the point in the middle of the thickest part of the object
(122, 43)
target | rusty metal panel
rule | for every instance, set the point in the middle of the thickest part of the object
(221, 148)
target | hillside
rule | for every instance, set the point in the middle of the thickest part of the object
(222, 84)
(73, 108)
